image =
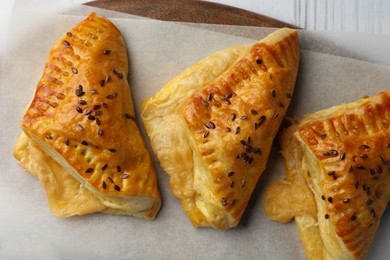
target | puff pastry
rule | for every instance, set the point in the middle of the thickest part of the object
(337, 182)
(212, 126)
(80, 136)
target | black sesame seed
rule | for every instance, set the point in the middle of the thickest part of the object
(281, 104)
(326, 216)
(78, 109)
(80, 127)
(66, 43)
(332, 173)
(102, 82)
(361, 167)
(372, 213)
(98, 113)
(96, 107)
(233, 202)
(110, 179)
(106, 52)
(253, 112)
(104, 185)
(259, 61)
(79, 92)
(49, 137)
(87, 112)
(89, 170)
(257, 151)
(242, 142)
(104, 105)
(275, 116)
(330, 199)
(273, 93)
(230, 174)
(356, 184)
(82, 102)
(364, 156)
(238, 129)
(210, 125)
(249, 140)
(346, 200)
(93, 91)
(334, 152)
(104, 167)
(69, 34)
(210, 97)
(116, 187)
(369, 202)
(388, 145)
(379, 170)
(244, 117)
(365, 147)
(228, 129)
(118, 168)
(100, 132)
(98, 121)
(206, 134)
(224, 202)
(372, 172)
(75, 71)
(323, 197)
(111, 96)
(84, 142)
(108, 78)
(91, 117)
(353, 218)
(124, 176)
(227, 102)
(231, 184)
(342, 156)
(113, 150)
(242, 183)
(323, 136)
(233, 117)
(229, 95)
(67, 142)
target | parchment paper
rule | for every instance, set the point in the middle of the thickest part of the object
(157, 52)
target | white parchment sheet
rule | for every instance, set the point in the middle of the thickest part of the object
(157, 52)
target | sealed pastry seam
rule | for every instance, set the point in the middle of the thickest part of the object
(81, 121)
(337, 160)
(212, 126)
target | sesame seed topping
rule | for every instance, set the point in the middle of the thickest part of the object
(275, 116)
(87, 112)
(104, 105)
(210, 97)
(361, 167)
(242, 142)
(98, 121)
(49, 137)
(353, 218)
(229, 95)
(369, 202)
(388, 145)
(365, 147)
(259, 61)
(79, 92)
(96, 107)
(93, 91)
(75, 71)
(288, 95)
(206, 134)
(364, 156)
(100, 132)
(346, 200)
(82, 102)
(110, 179)
(330, 199)
(113, 150)
(227, 102)
(98, 113)
(342, 156)
(66, 141)
(118, 168)
(210, 125)
(242, 183)
(111, 96)
(78, 109)
(66, 43)
(323, 136)
(233, 202)
(244, 117)
(281, 104)
(228, 129)
(224, 202)
(230, 174)
(249, 139)
(356, 184)
(372, 213)
(233, 117)
(104, 185)
(124, 176)
(331, 153)
(91, 117)
(273, 93)
(104, 167)
(89, 170)
(116, 187)
(257, 151)
(372, 172)
(108, 78)
(69, 34)
(326, 216)
(231, 184)
(238, 129)
(204, 102)
(84, 142)
(106, 52)
(118, 74)
(379, 170)
(323, 197)
(253, 112)
(350, 169)
(79, 127)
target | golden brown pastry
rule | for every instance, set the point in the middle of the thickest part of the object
(81, 138)
(337, 182)
(212, 126)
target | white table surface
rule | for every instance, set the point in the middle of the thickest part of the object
(368, 16)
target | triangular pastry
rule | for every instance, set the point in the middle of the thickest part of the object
(337, 182)
(80, 136)
(212, 126)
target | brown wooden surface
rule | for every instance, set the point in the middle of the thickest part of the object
(189, 11)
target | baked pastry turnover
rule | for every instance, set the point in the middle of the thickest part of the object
(337, 182)
(212, 126)
(80, 136)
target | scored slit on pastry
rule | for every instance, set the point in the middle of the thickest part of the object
(337, 178)
(212, 126)
(80, 136)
